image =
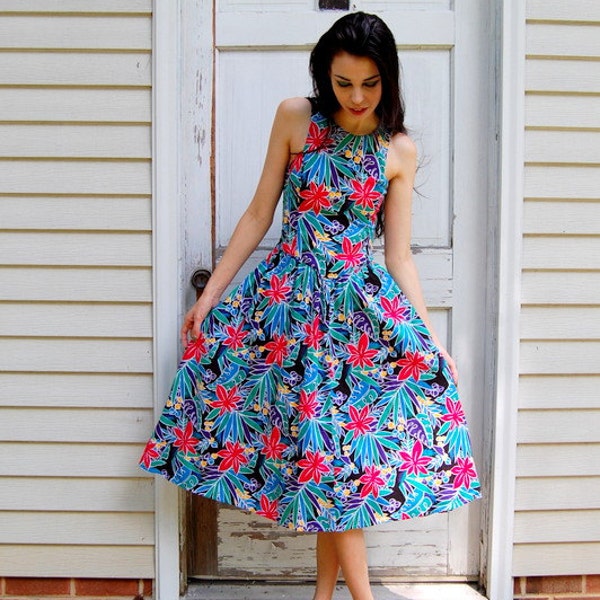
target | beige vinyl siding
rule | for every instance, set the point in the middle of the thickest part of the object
(557, 518)
(75, 288)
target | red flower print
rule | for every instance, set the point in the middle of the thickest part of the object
(313, 332)
(313, 466)
(360, 421)
(371, 481)
(359, 355)
(351, 254)
(195, 349)
(455, 414)
(412, 365)
(364, 193)
(278, 291)
(393, 309)
(291, 248)
(272, 448)
(464, 471)
(308, 405)
(150, 454)
(235, 337)
(268, 509)
(233, 457)
(414, 462)
(315, 198)
(184, 438)
(317, 137)
(227, 400)
(278, 350)
(296, 162)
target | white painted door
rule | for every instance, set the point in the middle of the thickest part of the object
(261, 56)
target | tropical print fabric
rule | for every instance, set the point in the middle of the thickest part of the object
(314, 395)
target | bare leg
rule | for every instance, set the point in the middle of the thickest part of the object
(352, 556)
(328, 566)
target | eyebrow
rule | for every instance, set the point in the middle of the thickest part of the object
(346, 78)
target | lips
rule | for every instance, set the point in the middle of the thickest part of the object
(357, 111)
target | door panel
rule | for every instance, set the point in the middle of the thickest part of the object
(261, 56)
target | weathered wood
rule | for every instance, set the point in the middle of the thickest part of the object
(558, 426)
(76, 284)
(76, 249)
(557, 493)
(53, 560)
(89, 494)
(89, 105)
(202, 537)
(76, 32)
(68, 528)
(75, 141)
(37, 424)
(76, 355)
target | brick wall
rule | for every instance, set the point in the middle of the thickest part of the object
(572, 587)
(15, 588)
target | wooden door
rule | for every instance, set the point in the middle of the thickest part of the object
(261, 51)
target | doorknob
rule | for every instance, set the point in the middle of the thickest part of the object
(199, 279)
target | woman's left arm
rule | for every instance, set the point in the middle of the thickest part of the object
(401, 169)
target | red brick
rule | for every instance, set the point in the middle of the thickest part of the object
(148, 586)
(28, 586)
(554, 585)
(106, 587)
(578, 597)
(517, 585)
(592, 584)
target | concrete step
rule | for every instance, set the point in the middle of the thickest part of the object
(277, 591)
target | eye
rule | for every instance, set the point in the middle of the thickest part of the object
(343, 84)
(372, 84)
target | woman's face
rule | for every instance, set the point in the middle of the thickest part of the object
(356, 83)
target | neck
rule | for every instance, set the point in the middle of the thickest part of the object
(356, 126)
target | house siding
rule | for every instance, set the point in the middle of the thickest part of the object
(557, 518)
(75, 289)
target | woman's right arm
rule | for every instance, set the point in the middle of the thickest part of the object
(290, 119)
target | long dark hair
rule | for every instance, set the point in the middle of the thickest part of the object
(360, 34)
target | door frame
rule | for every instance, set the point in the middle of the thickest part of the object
(179, 174)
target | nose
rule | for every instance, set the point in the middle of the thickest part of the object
(357, 95)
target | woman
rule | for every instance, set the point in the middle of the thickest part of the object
(317, 393)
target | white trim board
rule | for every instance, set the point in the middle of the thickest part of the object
(166, 282)
(512, 136)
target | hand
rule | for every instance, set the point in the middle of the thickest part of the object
(190, 330)
(451, 364)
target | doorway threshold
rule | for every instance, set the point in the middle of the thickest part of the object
(282, 591)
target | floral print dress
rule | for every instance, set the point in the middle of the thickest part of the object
(314, 395)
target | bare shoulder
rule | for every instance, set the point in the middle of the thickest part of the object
(293, 115)
(402, 157)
